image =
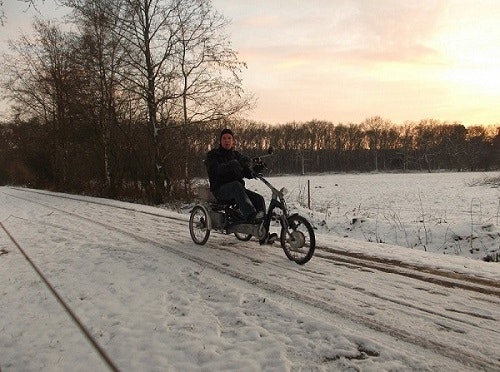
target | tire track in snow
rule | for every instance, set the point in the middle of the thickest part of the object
(440, 277)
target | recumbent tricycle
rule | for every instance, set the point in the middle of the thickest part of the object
(296, 237)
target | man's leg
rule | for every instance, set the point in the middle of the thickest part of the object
(235, 190)
(257, 200)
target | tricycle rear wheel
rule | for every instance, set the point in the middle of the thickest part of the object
(198, 225)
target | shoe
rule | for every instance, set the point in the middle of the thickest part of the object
(272, 238)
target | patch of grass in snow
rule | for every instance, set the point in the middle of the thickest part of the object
(493, 181)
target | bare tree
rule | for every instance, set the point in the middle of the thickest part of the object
(406, 144)
(210, 85)
(42, 81)
(146, 30)
(100, 54)
(478, 148)
(374, 126)
(426, 140)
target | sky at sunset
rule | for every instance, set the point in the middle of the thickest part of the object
(346, 60)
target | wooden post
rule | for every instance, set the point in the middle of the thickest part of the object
(309, 194)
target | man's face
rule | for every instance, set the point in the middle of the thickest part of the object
(227, 141)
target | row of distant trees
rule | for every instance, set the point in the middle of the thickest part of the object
(375, 144)
(127, 103)
(379, 145)
(316, 146)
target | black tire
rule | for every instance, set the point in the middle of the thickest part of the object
(299, 242)
(242, 236)
(198, 225)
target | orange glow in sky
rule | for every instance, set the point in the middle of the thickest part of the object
(346, 60)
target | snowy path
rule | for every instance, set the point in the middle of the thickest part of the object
(156, 301)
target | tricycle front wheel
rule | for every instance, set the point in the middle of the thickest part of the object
(299, 241)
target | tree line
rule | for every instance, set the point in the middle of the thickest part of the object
(299, 148)
(379, 145)
(127, 103)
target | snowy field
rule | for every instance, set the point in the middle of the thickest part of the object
(136, 294)
(449, 213)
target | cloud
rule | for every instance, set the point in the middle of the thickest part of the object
(361, 32)
(392, 30)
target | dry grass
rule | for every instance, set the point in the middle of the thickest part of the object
(493, 181)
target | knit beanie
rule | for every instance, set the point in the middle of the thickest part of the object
(225, 131)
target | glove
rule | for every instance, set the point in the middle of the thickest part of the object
(258, 167)
(245, 160)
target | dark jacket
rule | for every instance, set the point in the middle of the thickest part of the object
(224, 166)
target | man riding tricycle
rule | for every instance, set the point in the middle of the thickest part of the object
(236, 210)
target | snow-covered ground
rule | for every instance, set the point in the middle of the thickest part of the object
(152, 300)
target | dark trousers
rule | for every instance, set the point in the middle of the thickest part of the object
(247, 201)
